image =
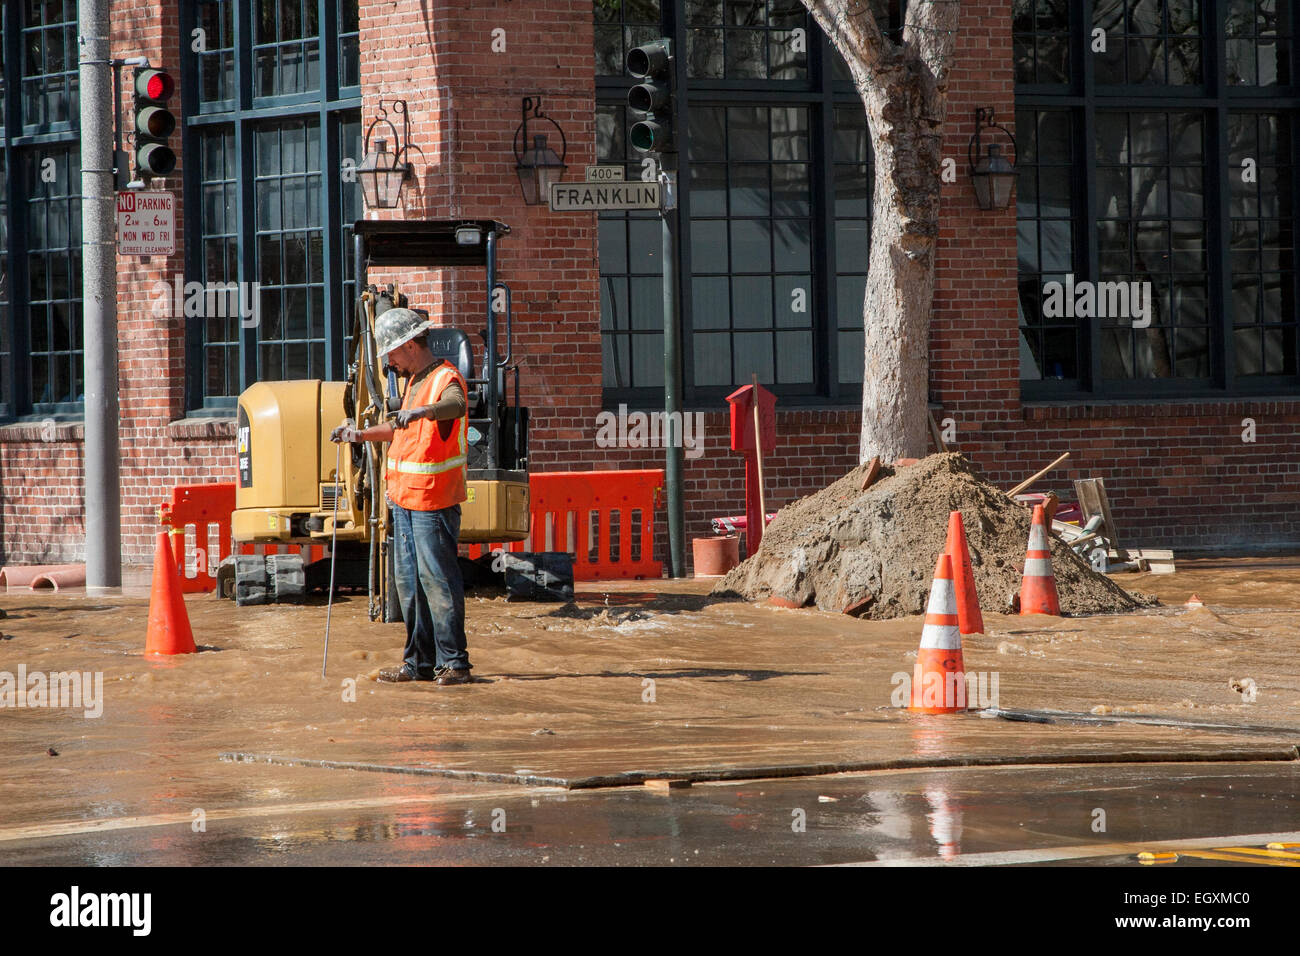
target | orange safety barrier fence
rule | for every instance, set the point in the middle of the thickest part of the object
(609, 513)
(208, 507)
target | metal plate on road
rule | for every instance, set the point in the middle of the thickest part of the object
(146, 223)
(591, 197)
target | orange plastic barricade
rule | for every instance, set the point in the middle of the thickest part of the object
(201, 506)
(593, 516)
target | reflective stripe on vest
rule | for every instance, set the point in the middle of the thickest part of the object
(427, 468)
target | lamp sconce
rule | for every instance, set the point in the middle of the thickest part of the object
(992, 174)
(536, 165)
(381, 173)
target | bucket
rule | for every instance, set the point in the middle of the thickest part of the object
(714, 557)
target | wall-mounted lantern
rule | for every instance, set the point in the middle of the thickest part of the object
(992, 174)
(536, 165)
(381, 173)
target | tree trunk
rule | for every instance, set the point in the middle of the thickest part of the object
(904, 90)
(900, 277)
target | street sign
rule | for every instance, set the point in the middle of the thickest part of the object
(605, 174)
(146, 223)
(591, 197)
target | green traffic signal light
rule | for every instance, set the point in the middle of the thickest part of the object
(653, 64)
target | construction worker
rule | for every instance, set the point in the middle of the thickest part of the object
(426, 484)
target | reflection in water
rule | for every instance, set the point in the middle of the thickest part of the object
(945, 820)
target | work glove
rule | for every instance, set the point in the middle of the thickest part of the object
(407, 415)
(345, 433)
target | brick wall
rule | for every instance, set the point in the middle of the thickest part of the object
(1179, 473)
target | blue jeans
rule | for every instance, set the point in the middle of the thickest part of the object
(430, 588)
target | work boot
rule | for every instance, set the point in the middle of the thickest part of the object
(399, 675)
(453, 675)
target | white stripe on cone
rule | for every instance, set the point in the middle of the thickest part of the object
(1038, 568)
(943, 600)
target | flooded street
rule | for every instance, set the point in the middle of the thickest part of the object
(576, 706)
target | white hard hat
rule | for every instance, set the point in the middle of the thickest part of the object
(397, 327)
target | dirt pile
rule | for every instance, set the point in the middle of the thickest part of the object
(842, 545)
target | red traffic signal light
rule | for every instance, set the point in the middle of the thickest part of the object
(154, 84)
(153, 123)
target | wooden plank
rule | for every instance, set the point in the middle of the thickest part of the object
(939, 444)
(1091, 493)
(1035, 476)
(664, 785)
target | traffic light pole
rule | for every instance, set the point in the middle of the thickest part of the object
(99, 281)
(672, 368)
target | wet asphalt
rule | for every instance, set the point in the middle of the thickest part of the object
(1071, 815)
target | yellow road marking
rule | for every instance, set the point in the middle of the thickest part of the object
(1211, 855)
(1255, 851)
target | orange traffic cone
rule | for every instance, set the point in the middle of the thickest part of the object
(169, 624)
(1194, 602)
(969, 619)
(939, 678)
(1038, 587)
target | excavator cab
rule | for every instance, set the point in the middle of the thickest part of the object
(297, 487)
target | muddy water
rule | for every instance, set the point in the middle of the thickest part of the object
(635, 678)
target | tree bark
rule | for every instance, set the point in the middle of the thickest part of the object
(904, 91)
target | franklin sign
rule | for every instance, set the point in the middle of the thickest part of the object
(585, 197)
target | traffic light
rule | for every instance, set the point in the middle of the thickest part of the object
(653, 64)
(153, 123)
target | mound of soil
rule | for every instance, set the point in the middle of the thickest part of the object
(841, 545)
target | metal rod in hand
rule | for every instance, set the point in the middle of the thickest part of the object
(334, 541)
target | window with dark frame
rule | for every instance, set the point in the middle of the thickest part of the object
(774, 190)
(1181, 162)
(266, 214)
(41, 357)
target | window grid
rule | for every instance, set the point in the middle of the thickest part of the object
(349, 44)
(216, 61)
(6, 349)
(352, 208)
(620, 26)
(747, 39)
(1050, 346)
(275, 226)
(1149, 43)
(49, 63)
(1152, 228)
(1041, 38)
(1259, 42)
(53, 217)
(287, 47)
(1262, 244)
(751, 238)
(851, 156)
(219, 233)
(290, 251)
(631, 267)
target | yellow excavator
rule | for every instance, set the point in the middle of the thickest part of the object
(297, 487)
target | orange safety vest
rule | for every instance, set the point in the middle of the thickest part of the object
(426, 462)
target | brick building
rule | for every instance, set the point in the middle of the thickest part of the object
(1156, 143)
